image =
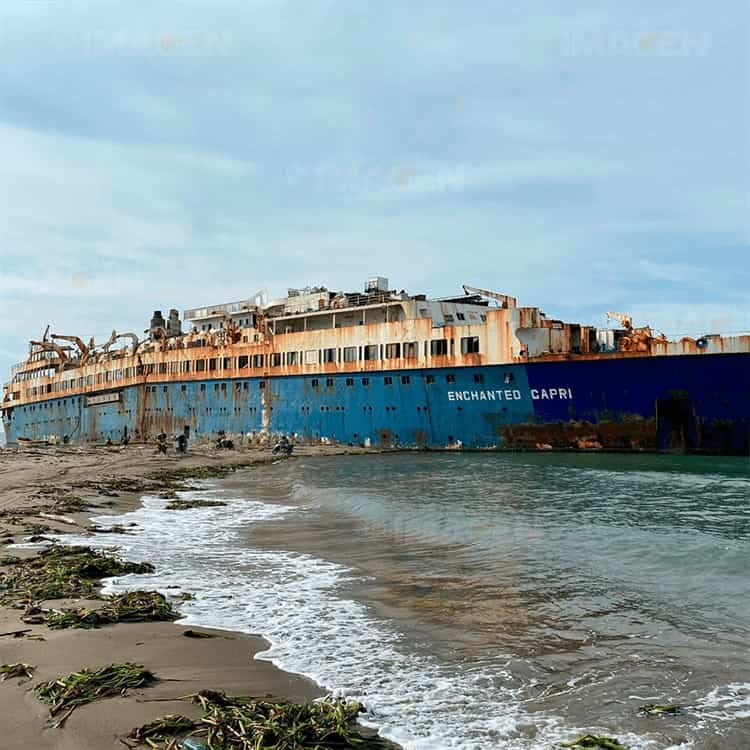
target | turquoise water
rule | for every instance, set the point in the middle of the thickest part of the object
(485, 601)
(590, 584)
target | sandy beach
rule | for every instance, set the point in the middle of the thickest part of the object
(183, 665)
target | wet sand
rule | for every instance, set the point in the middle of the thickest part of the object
(185, 665)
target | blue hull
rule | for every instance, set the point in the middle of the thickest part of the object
(676, 403)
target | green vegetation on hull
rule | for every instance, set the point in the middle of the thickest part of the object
(66, 694)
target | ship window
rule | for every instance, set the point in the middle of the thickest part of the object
(350, 381)
(227, 363)
(483, 317)
(183, 388)
(223, 386)
(262, 384)
(242, 362)
(315, 383)
(450, 378)
(244, 386)
(438, 347)
(212, 364)
(216, 386)
(365, 381)
(165, 389)
(291, 358)
(200, 365)
(410, 350)
(370, 352)
(329, 382)
(509, 378)
(405, 379)
(276, 359)
(203, 386)
(448, 318)
(257, 360)
(478, 377)
(312, 357)
(388, 380)
(185, 366)
(350, 354)
(392, 351)
(329, 355)
(470, 345)
(162, 368)
(460, 316)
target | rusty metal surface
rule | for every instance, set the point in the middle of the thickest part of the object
(299, 367)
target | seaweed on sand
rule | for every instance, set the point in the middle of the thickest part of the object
(196, 503)
(66, 694)
(9, 671)
(253, 724)
(134, 606)
(170, 725)
(653, 709)
(592, 742)
(62, 573)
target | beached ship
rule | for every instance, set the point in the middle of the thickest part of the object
(391, 369)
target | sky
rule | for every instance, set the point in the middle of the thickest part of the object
(583, 157)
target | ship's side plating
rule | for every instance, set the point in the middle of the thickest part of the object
(390, 369)
(686, 403)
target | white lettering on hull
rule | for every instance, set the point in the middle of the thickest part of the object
(513, 394)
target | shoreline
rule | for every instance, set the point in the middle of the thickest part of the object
(111, 481)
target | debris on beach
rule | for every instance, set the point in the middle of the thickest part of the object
(196, 503)
(9, 671)
(162, 728)
(62, 573)
(238, 723)
(63, 500)
(198, 634)
(117, 529)
(652, 709)
(16, 633)
(66, 694)
(592, 742)
(134, 606)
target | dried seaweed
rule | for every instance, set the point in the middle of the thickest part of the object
(61, 573)
(66, 694)
(134, 606)
(19, 669)
(170, 725)
(233, 723)
(592, 742)
(653, 709)
(196, 503)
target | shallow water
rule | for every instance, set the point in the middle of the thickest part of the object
(485, 600)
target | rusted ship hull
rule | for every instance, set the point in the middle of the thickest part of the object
(684, 403)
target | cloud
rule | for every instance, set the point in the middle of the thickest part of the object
(159, 159)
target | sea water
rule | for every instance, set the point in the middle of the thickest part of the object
(481, 601)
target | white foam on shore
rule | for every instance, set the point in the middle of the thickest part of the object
(296, 602)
